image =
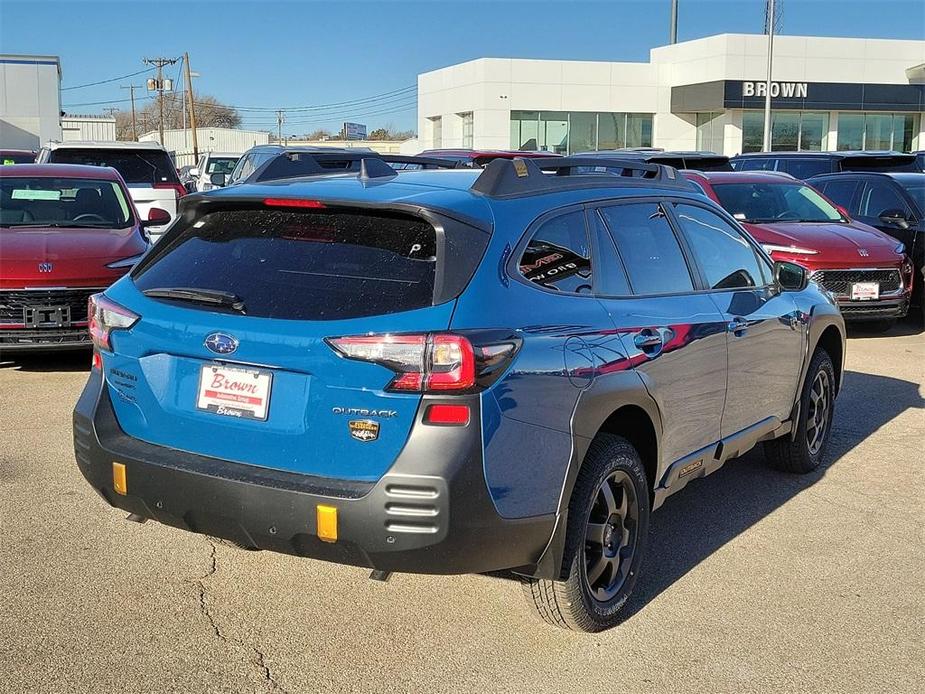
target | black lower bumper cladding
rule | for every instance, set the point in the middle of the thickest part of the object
(430, 513)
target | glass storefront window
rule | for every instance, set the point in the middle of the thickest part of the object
(850, 131)
(790, 131)
(437, 125)
(710, 132)
(895, 131)
(577, 131)
(814, 131)
(467, 129)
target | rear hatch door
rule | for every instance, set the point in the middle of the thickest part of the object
(258, 383)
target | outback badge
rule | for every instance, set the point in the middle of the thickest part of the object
(363, 429)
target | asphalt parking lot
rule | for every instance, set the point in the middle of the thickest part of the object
(756, 580)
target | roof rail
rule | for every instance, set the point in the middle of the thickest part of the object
(516, 177)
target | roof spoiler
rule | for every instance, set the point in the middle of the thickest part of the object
(514, 177)
(423, 162)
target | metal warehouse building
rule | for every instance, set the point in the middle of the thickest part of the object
(179, 142)
(827, 94)
(30, 100)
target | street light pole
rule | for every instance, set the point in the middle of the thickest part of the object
(766, 143)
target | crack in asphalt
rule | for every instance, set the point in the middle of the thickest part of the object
(260, 659)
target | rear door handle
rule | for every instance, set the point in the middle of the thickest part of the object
(738, 326)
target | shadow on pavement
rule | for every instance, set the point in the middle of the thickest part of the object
(711, 512)
(904, 328)
(69, 360)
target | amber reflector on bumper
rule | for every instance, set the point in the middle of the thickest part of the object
(327, 523)
(118, 479)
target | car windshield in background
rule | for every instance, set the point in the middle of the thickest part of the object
(222, 165)
(142, 166)
(302, 265)
(775, 202)
(63, 202)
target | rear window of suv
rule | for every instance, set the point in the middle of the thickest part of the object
(138, 166)
(316, 265)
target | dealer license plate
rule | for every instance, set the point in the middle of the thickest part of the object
(234, 392)
(865, 291)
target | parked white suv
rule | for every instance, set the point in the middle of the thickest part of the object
(146, 168)
(212, 163)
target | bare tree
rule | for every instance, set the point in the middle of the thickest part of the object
(210, 113)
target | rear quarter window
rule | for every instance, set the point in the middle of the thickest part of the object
(318, 265)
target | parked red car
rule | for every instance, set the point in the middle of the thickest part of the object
(66, 232)
(477, 158)
(866, 270)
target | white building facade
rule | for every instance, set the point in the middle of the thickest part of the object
(705, 94)
(179, 141)
(83, 128)
(30, 100)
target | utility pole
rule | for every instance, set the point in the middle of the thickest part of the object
(766, 143)
(192, 107)
(673, 26)
(159, 86)
(279, 126)
(131, 89)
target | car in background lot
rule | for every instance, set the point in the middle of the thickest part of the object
(804, 165)
(920, 160)
(478, 158)
(696, 161)
(66, 232)
(894, 203)
(209, 164)
(145, 167)
(297, 162)
(867, 271)
(257, 157)
(453, 372)
(16, 156)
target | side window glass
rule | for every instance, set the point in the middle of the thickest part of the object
(841, 193)
(611, 275)
(650, 251)
(727, 259)
(558, 255)
(756, 164)
(878, 197)
(804, 168)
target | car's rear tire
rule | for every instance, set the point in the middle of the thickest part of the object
(608, 523)
(804, 450)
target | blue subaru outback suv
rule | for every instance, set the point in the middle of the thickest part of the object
(447, 372)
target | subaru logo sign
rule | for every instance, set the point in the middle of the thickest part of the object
(45, 267)
(220, 343)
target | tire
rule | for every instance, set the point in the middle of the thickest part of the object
(606, 535)
(805, 451)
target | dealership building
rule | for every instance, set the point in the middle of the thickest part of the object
(705, 94)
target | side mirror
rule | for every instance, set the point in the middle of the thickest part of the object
(217, 180)
(895, 218)
(790, 276)
(194, 173)
(156, 217)
(190, 186)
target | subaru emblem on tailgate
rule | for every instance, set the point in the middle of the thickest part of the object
(363, 429)
(45, 267)
(220, 343)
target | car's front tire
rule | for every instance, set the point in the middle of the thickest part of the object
(608, 523)
(804, 450)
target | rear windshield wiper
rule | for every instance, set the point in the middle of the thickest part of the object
(213, 297)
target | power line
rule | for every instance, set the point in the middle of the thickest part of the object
(403, 101)
(113, 79)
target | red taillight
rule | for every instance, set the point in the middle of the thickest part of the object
(97, 362)
(289, 202)
(176, 187)
(423, 363)
(447, 415)
(104, 316)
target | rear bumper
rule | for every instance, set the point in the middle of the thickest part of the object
(431, 513)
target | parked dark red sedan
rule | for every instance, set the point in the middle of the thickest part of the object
(66, 232)
(867, 270)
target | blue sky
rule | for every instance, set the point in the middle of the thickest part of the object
(265, 54)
